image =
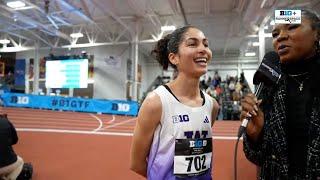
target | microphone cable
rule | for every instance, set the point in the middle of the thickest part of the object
(235, 159)
(241, 131)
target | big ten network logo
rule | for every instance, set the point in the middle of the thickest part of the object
(19, 99)
(287, 16)
(180, 118)
(123, 107)
(198, 143)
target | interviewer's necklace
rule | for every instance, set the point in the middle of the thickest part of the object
(293, 76)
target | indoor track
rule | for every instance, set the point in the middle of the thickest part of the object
(86, 146)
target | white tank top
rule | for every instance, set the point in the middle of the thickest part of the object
(182, 142)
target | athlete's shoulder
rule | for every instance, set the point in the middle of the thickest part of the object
(152, 102)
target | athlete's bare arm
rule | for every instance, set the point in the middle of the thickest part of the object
(148, 119)
(215, 111)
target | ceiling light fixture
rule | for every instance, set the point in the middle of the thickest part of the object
(76, 35)
(250, 54)
(168, 28)
(4, 41)
(255, 43)
(16, 4)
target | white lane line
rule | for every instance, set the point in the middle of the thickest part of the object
(112, 120)
(225, 138)
(117, 124)
(100, 122)
(72, 132)
(101, 133)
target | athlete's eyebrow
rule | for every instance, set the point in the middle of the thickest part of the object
(196, 39)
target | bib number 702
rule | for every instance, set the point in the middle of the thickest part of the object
(198, 162)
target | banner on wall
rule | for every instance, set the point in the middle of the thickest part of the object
(91, 67)
(19, 72)
(42, 68)
(31, 63)
(70, 104)
(113, 62)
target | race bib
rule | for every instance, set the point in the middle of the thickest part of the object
(192, 157)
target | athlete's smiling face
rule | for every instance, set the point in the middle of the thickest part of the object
(194, 53)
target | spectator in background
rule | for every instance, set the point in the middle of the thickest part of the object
(209, 81)
(9, 80)
(203, 84)
(228, 78)
(242, 78)
(238, 87)
(232, 85)
(219, 90)
(10, 164)
(237, 94)
(211, 91)
(217, 76)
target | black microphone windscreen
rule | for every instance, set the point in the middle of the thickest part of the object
(269, 70)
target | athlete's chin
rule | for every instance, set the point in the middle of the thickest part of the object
(202, 71)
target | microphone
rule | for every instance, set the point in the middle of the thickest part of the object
(268, 74)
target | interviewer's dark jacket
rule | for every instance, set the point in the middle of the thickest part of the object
(270, 151)
(8, 137)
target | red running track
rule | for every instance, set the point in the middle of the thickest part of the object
(86, 146)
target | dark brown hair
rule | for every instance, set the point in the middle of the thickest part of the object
(169, 44)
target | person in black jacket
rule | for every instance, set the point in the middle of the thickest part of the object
(283, 137)
(10, 164)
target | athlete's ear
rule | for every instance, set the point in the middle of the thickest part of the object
(173, 58)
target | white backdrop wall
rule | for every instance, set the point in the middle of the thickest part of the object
(153, 70)
(109, 82)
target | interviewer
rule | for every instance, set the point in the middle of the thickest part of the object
(283, 137)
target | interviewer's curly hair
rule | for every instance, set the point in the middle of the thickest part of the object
(169, 44)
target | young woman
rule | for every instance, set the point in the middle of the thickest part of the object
(284, 134)
(173, 134)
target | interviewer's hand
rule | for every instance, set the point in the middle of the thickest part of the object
(250, 107)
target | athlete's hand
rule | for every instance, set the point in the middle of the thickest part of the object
(250, 108)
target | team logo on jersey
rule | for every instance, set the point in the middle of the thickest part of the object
(180, 118)
(206, 120)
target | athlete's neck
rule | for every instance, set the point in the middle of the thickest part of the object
(186, 87)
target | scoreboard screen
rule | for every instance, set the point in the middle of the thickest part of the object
(71, 73)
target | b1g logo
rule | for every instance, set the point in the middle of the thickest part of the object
(287, 13)
(287, 16)
(123, 107)
(198, 143)
(180, 118)
(19, 99)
